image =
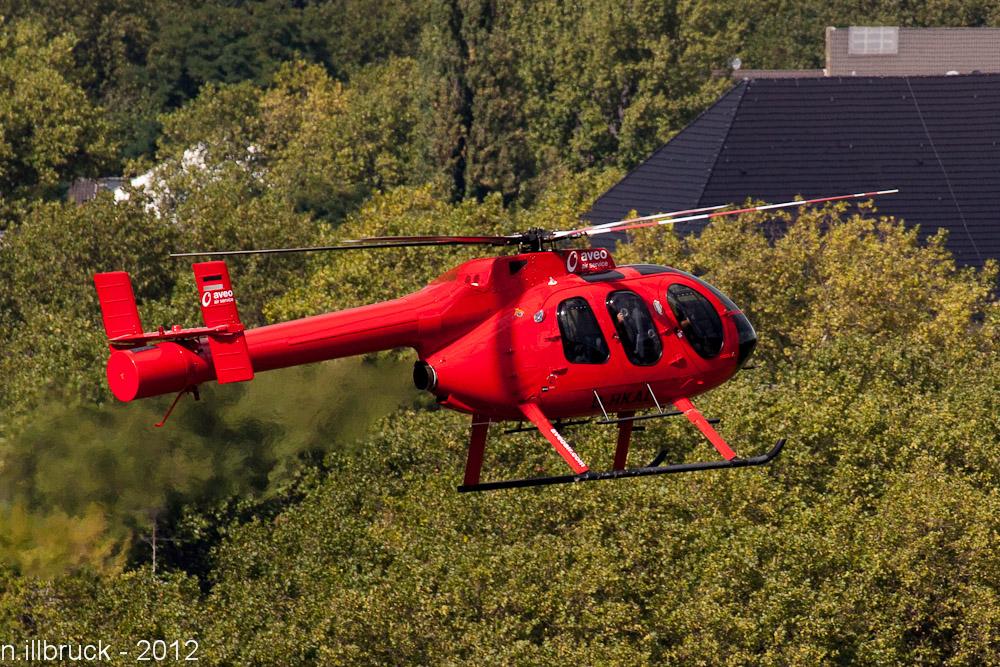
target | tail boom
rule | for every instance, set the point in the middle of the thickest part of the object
(172, 360)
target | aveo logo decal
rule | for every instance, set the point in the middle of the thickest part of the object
(580, 261)
(216, 297)
(572, 261)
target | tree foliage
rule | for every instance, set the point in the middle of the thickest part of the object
(51, 336)
(80, 482)
(143, 59)
(521, 88)
(310, 516)
(869, 541)
(49, 131)
(336, 282)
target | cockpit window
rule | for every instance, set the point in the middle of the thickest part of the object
(582, 338)
(726, 301)
(697, 318)
(635, 327)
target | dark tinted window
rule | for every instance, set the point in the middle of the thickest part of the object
(726, 301)
(582, 338)
(697, 318)
(650, 269)
(747, 338)
(636, 329)
(603, 277)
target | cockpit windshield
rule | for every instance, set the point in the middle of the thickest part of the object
(697, 318)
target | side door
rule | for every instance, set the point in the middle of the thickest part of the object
(581, 354)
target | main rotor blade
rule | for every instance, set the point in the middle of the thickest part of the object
(370, 242)
(517, 239)
(764, 207)
(656, 216)
(436, 240)
(266, 251)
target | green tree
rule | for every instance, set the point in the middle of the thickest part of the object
(315, 145)
(49, 131)
(112, 39)
(250, 41)
(332, 145)
(51, 335)
(522, 88)
(82, 483)
(336, 281)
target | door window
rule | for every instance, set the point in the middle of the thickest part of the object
(635, 327)
(582, 338)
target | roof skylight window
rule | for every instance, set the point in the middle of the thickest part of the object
(872, 41)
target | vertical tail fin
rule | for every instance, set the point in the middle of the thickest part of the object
(118, 309)
(218, 306)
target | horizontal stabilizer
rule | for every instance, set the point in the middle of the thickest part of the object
(118, 309)
(218, 306)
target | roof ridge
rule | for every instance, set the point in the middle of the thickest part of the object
(742, 88)
(666, 146)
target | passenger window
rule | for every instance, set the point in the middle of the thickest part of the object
(636, 328)
(697, 318)
(582, 338)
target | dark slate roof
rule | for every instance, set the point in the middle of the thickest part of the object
(935, 138)
(85, 189)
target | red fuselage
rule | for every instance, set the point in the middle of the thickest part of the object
(495, 333)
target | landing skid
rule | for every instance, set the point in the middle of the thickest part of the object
(654, 468)
(581, 472)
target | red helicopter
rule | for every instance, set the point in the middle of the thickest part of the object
(545, 335)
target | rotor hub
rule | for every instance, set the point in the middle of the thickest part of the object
(532, 240)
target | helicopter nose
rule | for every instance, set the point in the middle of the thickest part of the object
(747, 338)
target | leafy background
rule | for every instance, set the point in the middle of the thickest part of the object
(310, 517)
